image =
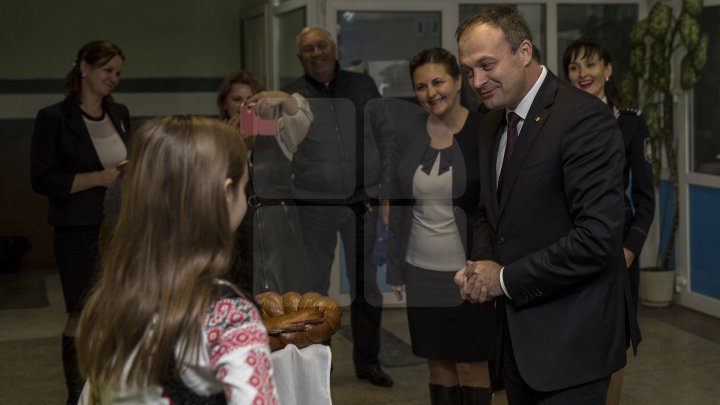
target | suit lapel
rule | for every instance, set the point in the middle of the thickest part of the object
(536, 118)
(118, 122)
(78, 129)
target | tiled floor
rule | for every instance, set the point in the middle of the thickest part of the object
(678, 363)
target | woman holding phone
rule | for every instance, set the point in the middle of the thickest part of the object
(270, 253)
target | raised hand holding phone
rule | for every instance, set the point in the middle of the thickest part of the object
(252, 124)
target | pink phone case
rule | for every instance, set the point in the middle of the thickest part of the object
(247, 120)
(251, 124)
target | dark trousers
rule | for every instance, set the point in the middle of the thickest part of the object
(356, 225)
(520, 393)
(634, 275)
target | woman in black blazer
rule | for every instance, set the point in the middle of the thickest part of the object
(588, 66)
(77, 145)
(434, 192)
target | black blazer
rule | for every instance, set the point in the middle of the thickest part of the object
(62, 147)
(410, 146)
(557, 229)
(640, 206)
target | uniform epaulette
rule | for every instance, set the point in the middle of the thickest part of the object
(634, 111)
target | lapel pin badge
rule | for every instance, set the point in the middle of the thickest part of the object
(538, 119)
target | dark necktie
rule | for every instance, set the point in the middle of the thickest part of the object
(512, 136)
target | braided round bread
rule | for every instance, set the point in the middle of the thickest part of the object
(298, 319)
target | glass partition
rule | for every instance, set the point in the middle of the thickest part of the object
(382, 42)
(253, 40)
(289, 25)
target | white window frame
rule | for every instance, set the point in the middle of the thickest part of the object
(684, 117)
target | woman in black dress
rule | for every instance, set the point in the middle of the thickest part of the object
(434, 190)
(77, 145)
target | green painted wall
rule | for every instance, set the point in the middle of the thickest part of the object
(160, 38)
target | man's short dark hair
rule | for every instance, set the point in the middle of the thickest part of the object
(509, 20)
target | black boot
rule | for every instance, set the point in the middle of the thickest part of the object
(476, 395)
(441, 395)
(73, 381)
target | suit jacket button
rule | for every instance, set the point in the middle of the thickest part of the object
(501, 240)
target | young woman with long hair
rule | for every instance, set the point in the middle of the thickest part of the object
(162, 324)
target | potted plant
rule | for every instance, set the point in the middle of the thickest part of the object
(657, 42)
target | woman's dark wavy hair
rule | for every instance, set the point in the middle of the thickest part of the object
(95, 54)
(435, 55)
(587, 48)
(237, 77)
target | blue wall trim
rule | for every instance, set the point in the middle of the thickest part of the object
(705, 241)
(667, 209)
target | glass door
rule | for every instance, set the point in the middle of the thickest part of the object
(255, 41)
(379, 38)
(699, 236)
(289, 17)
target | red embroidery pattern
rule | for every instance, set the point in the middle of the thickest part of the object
(233, 324)
(235, 339)
(261, 379)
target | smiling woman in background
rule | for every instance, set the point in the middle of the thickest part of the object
(77, 145)
(589, 67)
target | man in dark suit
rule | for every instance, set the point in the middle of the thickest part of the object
(551, 219)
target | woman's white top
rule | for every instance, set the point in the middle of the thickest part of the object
(435, 242)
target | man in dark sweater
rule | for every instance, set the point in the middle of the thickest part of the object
(338, 172)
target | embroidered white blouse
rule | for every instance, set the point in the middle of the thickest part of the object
(234, 358)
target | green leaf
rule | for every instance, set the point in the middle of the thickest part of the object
(637, 61)
(693, 7)
(658, 54)
(629, 88)
(638, 32)
(659, 76)
(688, 73)
(689, 30)
(664, 83)
(699, 54)
(660, 18)
(653, 120)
